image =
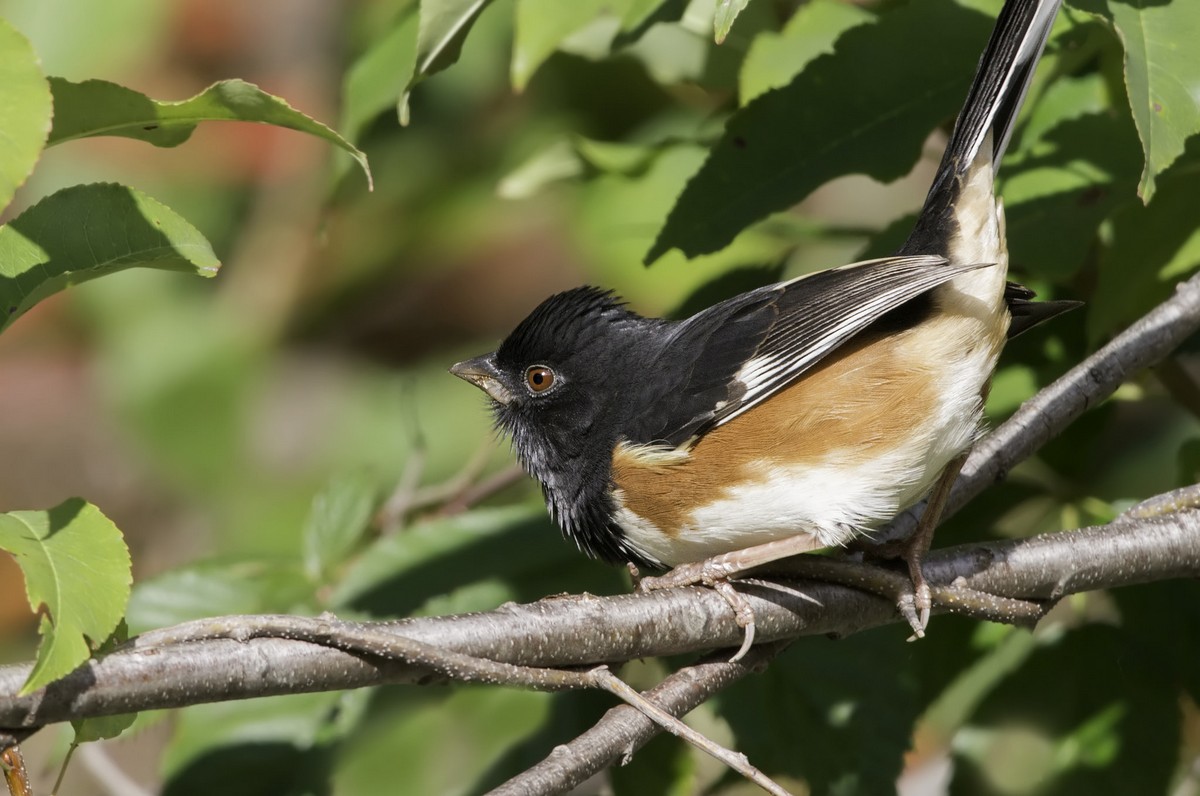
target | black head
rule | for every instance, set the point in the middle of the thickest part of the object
(557, 385)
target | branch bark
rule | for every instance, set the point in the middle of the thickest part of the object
(221, 659)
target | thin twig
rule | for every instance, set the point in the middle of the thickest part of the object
(12, 765)
(890, 585)
(735, 760)
(1169, 503)
(623, 730)
(451, 488)
(395, 509)
(485, 489)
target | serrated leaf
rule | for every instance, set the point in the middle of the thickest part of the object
(1162, 75)
(335, 524)
(1075, 164)
(774, 59)
(543, 25)
(727, 12)
(377, 79)
(98, 107)
(786, 143)
(442, 28)
(87, 231)
(77, 574)
(25, 110)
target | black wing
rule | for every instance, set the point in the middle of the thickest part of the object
(736, 354)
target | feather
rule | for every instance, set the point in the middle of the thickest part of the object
(754, 345)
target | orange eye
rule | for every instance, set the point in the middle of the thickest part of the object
(539, 378)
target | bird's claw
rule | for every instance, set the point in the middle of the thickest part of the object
(715, 576)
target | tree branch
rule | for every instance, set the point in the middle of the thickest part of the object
(623, 729)
(221, 659)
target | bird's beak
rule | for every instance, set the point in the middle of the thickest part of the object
(482, 372)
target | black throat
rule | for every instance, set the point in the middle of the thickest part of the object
(574, 468)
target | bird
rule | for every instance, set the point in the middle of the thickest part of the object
(793, 417)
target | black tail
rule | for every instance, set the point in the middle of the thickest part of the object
(989, 112)
(1001, 81)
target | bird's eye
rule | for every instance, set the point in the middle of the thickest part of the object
(539, 378)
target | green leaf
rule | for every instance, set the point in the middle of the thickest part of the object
(25, 111)
(445, 741)
(97, 107)
(339, 517)
(774, 59)
(1161, 75)
(727, 11)
(786, 143)
(77, 575)
(619, 158)
(1076, 163)
(219, 588)
(473, 561)
(280, 745)
(441, 31)
(1055, 726)
(641, 15)
(543, 25)
(1069, 181)
(1153, 247)
(378, 78)
(829, 713)
(87, 231)
(559, 161)
(101, 728)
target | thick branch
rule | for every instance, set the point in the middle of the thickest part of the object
(156, 672)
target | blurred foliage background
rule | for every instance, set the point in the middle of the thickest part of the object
(205, 417)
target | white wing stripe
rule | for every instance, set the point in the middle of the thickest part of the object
(797, 349)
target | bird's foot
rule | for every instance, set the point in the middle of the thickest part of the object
(714, 574)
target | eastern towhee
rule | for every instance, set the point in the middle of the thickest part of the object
(793, 417)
